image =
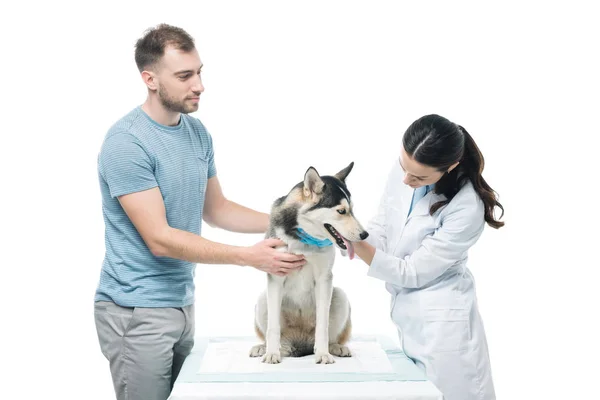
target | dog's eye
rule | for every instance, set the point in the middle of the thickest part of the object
(342, 211)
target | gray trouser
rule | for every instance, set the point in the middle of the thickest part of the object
(146, 347)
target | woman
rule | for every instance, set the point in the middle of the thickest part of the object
(434, 208)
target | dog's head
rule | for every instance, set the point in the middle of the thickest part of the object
(326, 209)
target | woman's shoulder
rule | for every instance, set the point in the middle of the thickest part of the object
(466, 200)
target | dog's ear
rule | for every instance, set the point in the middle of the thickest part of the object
(344, 173)
(312, 182)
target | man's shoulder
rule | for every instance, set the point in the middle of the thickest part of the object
(133, 127)
(125, 134)
(127, 123)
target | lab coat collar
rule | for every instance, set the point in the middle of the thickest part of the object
(423, 206)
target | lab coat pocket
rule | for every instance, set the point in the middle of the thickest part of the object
(446, 329)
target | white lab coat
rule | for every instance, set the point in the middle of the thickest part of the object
(422, 259)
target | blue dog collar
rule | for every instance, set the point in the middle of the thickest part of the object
(311, 240)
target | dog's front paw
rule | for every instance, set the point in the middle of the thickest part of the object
(324, 358)
(272, 358)
(258, 350)
(339, 350)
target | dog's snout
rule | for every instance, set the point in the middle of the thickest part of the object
(364, 235)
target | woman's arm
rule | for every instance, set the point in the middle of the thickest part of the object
(447, 246)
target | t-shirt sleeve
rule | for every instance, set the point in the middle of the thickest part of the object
(125, 165)
(212, 169)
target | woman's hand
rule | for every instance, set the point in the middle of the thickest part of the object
(365, 251)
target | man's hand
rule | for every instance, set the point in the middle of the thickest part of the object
(263, 256)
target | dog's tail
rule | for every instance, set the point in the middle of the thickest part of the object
(298, 344)
(301, 349)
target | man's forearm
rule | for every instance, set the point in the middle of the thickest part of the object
(234, 217)
(182, 245)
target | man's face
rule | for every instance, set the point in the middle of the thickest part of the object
(179, 81)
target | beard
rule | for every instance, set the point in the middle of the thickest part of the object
(173, 104)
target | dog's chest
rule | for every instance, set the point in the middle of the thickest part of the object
(301, 283)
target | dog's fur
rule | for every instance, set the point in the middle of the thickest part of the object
(302, 313)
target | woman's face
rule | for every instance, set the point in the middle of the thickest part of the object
(417, 174)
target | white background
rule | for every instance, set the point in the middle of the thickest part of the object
(294, 84)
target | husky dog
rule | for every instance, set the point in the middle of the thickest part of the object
(302, 313)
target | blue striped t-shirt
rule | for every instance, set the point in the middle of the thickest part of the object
(139, 154)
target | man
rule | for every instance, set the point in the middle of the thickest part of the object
(158, 181)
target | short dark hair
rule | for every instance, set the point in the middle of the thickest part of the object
(151, 46)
